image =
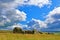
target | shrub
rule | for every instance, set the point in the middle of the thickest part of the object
(29, 32)
(49, 33)
(40, 32)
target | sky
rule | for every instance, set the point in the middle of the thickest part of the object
(41, 15)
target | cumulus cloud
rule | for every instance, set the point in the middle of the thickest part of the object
(41, 23)
(24, 27)
(39, 3)
(53, 15)
(9, 14)
(15, 25)
(13, 16)
(53, 19)
(36, 24)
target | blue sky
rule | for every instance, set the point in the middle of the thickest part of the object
(38, 14)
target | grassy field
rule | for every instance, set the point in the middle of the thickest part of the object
(6, 35)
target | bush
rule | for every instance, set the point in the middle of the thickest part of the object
(41, 32)
(49, 33)
(29, 32)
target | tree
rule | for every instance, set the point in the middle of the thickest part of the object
(17, 30)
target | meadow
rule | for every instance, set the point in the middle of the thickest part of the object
(8, 35)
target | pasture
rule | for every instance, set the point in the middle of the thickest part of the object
(8, 35)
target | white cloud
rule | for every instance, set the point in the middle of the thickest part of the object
(13, 26)
(53, 15)
(54, 11)
(20, 15)
(41, 23)
(10, 3)
(9, 14)
(17, 25)
(53, 19)
(24, 27)
(36, 24)
(39, 3)
(14, 3)
(12, 16)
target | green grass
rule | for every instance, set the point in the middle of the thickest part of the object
(8, 35)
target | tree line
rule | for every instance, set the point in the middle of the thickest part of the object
(19, 30)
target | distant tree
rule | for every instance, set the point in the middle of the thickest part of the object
(29, 32)
(17, 30)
